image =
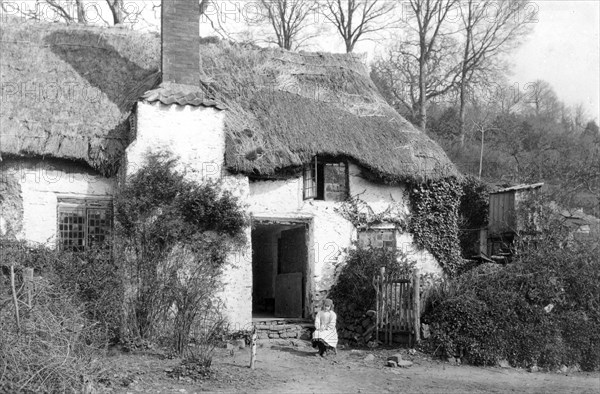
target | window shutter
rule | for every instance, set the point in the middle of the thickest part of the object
(310, 183)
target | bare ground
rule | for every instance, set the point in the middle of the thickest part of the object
(293, 367)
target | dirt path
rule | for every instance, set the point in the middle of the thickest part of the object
(292, 367)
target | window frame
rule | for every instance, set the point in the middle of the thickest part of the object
(84, 208)
(313, 176)
(374, 230)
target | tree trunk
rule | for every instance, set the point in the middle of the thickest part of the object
(422, 89)
(116, 8)
(463, 77)
(349, 45)
(80, 12)
(461, 111)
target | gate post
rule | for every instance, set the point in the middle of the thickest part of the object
(416, 305)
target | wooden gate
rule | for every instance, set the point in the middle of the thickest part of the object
(398, 305)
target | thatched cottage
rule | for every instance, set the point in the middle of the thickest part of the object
(293, 134)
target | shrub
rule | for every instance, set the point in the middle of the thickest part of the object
(53, 347)
(542, 309)
(354, 290)
(91, 276)
(174, 238)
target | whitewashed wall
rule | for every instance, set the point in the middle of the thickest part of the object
(41, 183)
(333, 233)
(196, 137)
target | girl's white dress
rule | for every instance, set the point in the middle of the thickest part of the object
(325, 328)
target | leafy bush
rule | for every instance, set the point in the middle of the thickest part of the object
(174, 238)
(354, 290)
(543, 309)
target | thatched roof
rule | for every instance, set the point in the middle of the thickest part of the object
(282, 108)
(285, 107)
(68, 92)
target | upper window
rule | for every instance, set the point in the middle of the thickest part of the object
(83, 222)
(326, 180)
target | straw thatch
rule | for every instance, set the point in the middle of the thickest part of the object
(67, 92)
(283, 108)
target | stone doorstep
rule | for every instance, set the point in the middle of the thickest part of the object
(279, 328)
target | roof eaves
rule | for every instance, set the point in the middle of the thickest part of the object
(168, 96)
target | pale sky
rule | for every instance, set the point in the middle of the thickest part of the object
(564, 49)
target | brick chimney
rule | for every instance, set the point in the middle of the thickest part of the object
(180, 23)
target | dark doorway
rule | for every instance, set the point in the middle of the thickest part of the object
(279, 269)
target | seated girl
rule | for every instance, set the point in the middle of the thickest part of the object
(325, 336)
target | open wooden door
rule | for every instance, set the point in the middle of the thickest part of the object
(290, 281)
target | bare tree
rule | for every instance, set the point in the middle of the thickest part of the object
(542, 99)
(579, 115)
(288, 21)
(356, 19)
(76, 11)
(427, 21)
(396, 74)
(490, 28)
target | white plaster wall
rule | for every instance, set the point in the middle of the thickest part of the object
(332, 233)
(196, 137)
(237, 277)
(42, 181)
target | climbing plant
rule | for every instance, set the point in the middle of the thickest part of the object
(473, 213)
(434, 220)
(361, 215)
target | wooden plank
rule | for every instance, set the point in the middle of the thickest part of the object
(253, 339)
(377, 295)
(417, 314)
(28, 282)
(288, 295)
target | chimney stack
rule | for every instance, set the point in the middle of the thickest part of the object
(180, 39)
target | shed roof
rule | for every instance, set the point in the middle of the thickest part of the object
(519, 188)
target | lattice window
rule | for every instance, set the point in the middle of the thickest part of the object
(326, 180)
(378, 238)
(310, 181)
(83, 222)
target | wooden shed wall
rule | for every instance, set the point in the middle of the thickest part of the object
(502, 213)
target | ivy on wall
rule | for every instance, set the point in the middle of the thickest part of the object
(474, 207)
(361, 215)
(434, 220)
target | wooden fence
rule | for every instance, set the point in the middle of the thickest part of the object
(398, 305)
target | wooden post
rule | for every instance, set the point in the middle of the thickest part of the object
(253, 339)
(28, 281)
(377, 295)
(416, 306)
(14, 294)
